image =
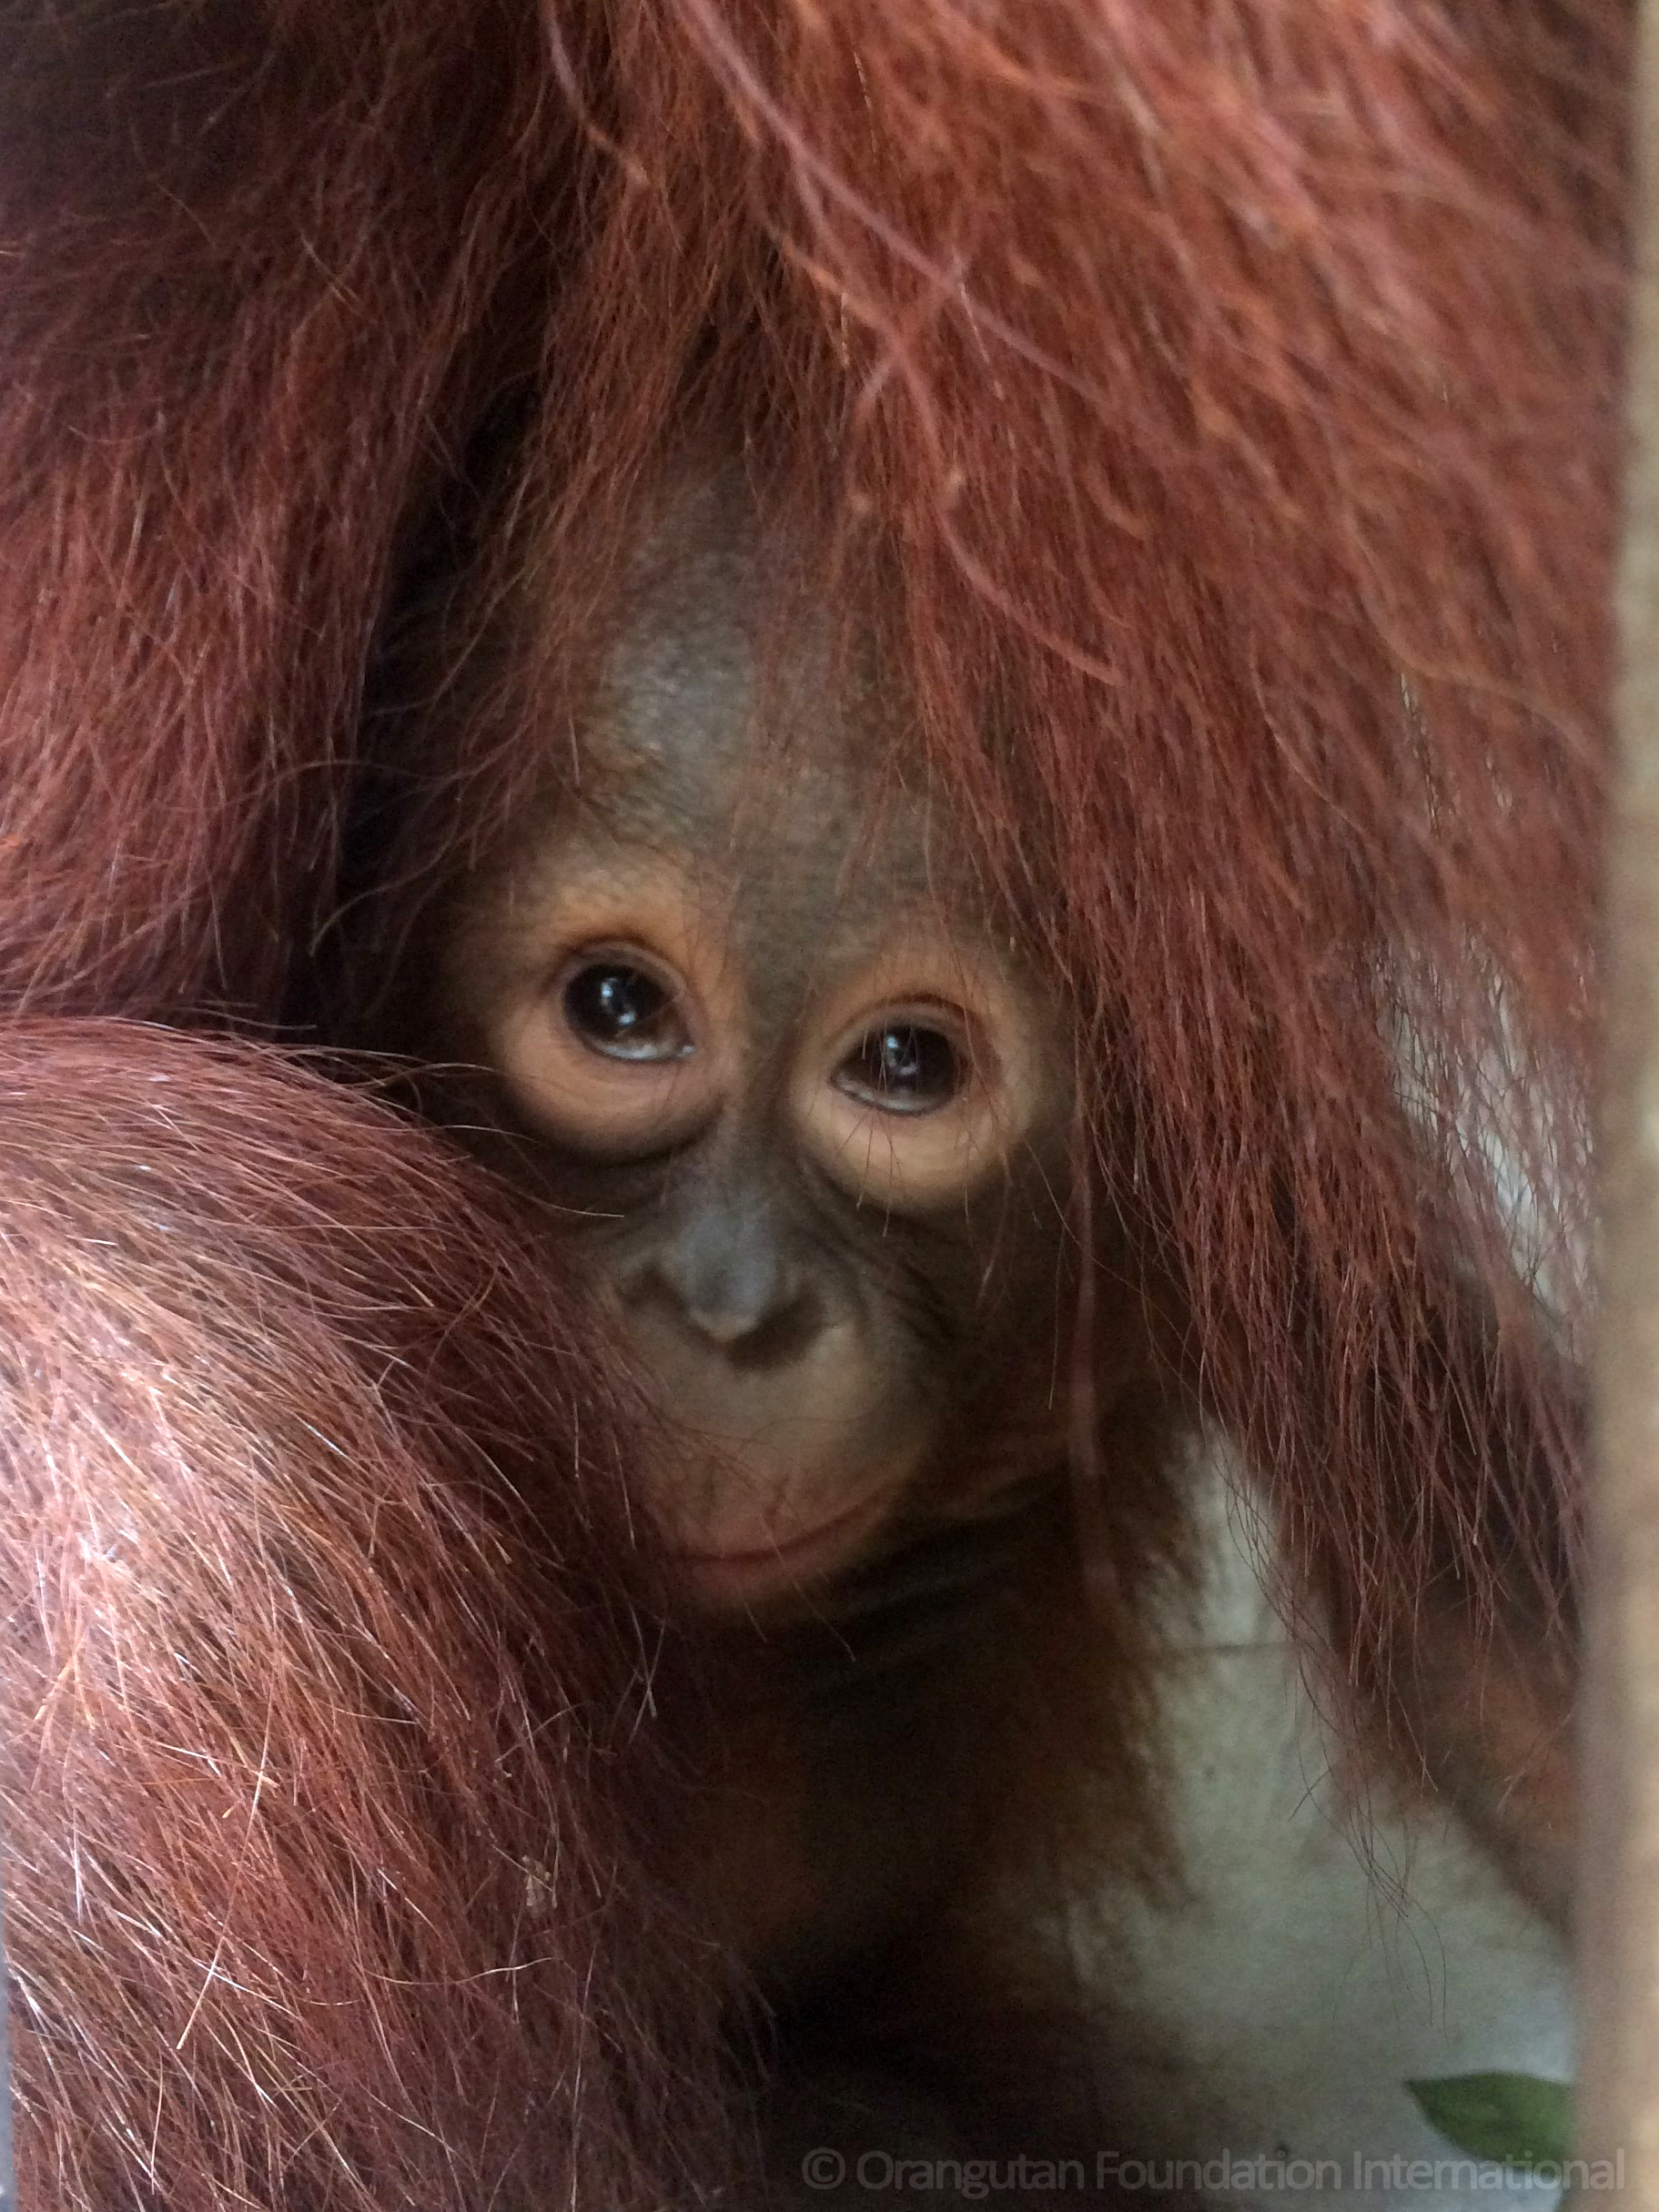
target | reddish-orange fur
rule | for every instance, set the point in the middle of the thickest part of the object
(326, 1836)
(1223, 392)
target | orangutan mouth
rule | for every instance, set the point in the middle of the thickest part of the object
(734, 1576)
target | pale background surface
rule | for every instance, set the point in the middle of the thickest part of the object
(1286, 2004)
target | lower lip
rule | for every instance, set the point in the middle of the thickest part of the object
(733, 1577)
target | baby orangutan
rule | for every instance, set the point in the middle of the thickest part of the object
(807, 1107)
(733, 996)
(744, 1011)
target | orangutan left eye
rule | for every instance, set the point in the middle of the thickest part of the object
(902, 1067)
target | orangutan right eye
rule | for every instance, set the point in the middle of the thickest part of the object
(625, 1013)
(613, 1051)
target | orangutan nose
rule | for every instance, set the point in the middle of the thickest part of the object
(731, 1281)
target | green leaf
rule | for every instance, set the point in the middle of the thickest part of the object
(1515, 2118)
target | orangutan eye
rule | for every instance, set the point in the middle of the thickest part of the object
(901, 1067)
(620, 1011)
(916, 1081)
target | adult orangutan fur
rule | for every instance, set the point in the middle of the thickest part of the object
(1223, 392)
(317, 1648)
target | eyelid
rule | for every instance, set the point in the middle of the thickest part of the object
(572, 903)
(950, 1020)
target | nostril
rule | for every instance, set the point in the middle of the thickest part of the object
(728, 1279)
(781, 1334)
(725, 1325)
(749, 1330)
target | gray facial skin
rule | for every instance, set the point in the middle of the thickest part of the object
(749, 1018)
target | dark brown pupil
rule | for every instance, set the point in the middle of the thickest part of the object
(625, 1012)
(905, 1067)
